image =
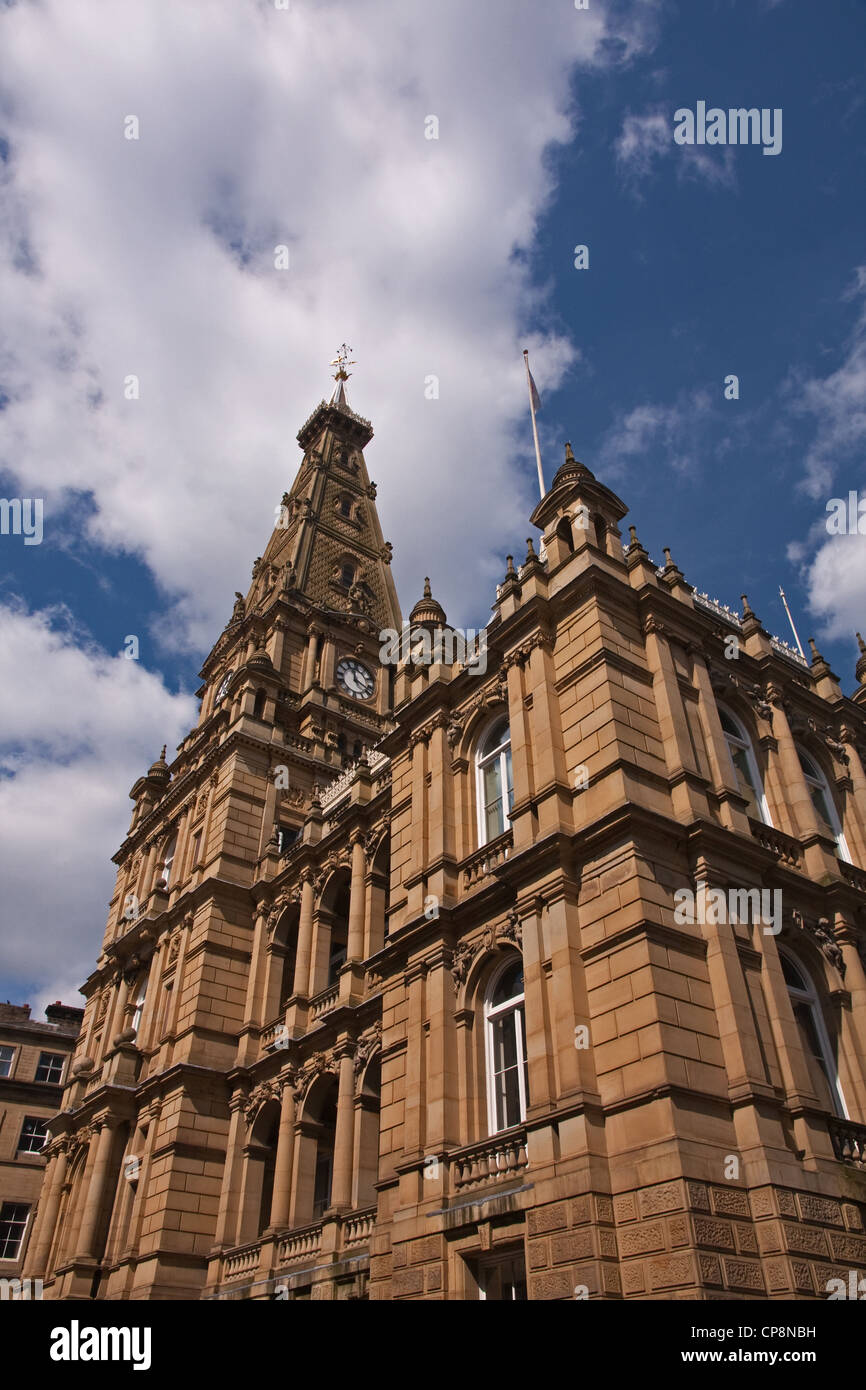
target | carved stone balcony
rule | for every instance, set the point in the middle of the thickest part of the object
(486, 860)
(502, 1156)
(323, 1002)
(786, 849)
(856, 877)
(849, 1141)
(358, 1227)
(299, 1245)
(241, 1262)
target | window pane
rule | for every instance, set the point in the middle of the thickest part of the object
(6, 1056)
(823, 1080)
(494, 822)
(509, 985)
(506, 1086)
(509, 779)
(746, 786)
(13, 1222)
(822, 810)
(50, 1067)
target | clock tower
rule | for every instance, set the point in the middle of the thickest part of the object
(309, 625)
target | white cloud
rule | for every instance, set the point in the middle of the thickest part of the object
(78, 728)
(833, 567)
(155, 257)
(646, 139)
(675, 429)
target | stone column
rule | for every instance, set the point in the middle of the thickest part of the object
(355, 949)
(344, 1138)
(97, 1189)
(55, 1177)
(118, 1012)
(304, 958)
(227, 1216)
(854, 1020)
(856, 807)
(798, 800)
(285, 1156)
(521, 765)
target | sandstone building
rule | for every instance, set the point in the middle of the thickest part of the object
(398, 997)
(34, 1056)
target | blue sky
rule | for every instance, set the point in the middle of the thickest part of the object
(447, 256)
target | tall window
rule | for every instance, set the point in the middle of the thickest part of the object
(13, 1224)
(501, 1278)
(818, 1052)
(507, 1075)
(33, 1135)
(163, 874)
(495, 782)
(7, 1057)
(825, 806)
(140, 996)
(745, 767)
(50, 1067)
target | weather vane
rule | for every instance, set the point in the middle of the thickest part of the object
(341, 362)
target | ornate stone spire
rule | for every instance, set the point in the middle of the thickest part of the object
(428, 612)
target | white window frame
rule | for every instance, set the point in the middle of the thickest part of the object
(742, 741)
(12, 1259)
(517, 1005)
(30, 1119)
(7, 1047)
(482, 760)
(818, 780)
(59, 1081)
(809, 997)
(141, 995)
(166, 863)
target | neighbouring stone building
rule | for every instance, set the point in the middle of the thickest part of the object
(33, 1059)
(399, 997)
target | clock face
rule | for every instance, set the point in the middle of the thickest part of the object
(224, 685)
(354, 678)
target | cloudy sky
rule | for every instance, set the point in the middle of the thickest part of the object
(307, 127)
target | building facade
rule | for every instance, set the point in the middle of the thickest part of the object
(536, 973)
(34, 1056)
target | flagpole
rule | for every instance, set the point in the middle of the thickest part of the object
(534, 426)
(791, 621)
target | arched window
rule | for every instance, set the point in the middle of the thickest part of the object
(494, 782)
(745, 766)
(163, 873)
(825, 806)
(505, 1028)
(819, 1054)
(347, 574)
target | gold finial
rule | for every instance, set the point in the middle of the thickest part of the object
(341, 362)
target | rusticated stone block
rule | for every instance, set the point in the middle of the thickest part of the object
(667, 1196)
(643, 1239)
(747, 1241)
(625, 1207)
(787, 1205)
(633, 1278)
(603, 1207)
(762, 1203)
(769, 1237)
(777, 1275)
(610, 1279)
(729, 1201)
(607, 1244)
(434, 1278)
(822, 1209)
(406, 1282)
(581, 1209)
(401, 1255)
(667, 1271)
(679, 1231)
(555, 1285)
(542, 1219)
(380, 1267)
(711, 1270)
(804, 1241)
(575, 1245)
(851, 1248)
(743, 1274)
(716, 1233)
(428, 1248)
(802, 1276)
(853, 1216)
(697, 1194)
(538, 1254)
